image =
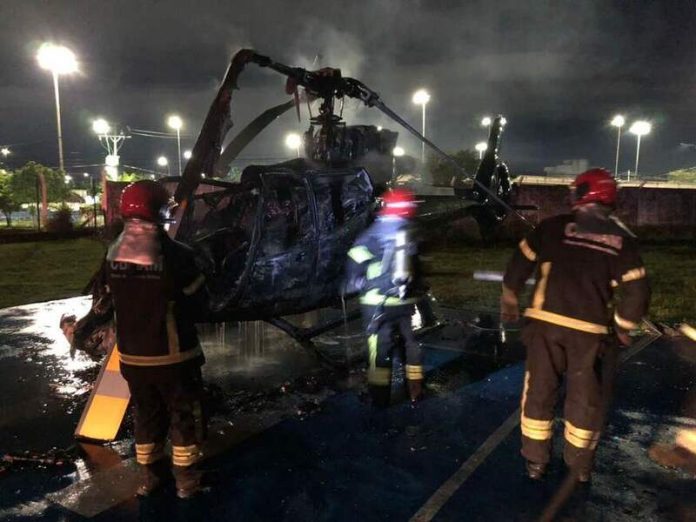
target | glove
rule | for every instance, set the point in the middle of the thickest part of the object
(509, 306)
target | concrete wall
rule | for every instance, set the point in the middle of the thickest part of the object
(653, 207)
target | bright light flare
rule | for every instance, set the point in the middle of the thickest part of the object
(421, 97)
(481, 146)
(640, 128)
(5, 151)
(293, 141)
(486, 121)
(398, 152)
(162, 161)
(57, 59)
(187, 154)
(101, 127)
(175, 122)
(618, 121)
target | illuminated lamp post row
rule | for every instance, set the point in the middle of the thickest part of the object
(639, 129)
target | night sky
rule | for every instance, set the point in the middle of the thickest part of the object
(558, 70)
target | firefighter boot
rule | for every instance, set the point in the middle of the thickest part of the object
(188, 481)
(153, 477)
(415, 389)
(536, 470)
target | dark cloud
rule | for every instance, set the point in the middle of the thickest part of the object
(557, 69)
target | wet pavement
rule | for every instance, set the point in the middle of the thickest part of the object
(294, 438)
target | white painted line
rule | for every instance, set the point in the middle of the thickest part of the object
(452, 484)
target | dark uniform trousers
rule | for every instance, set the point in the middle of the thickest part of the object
(167, 400)
(587, 361)
(392, 332)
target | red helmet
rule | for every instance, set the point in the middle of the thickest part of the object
(398, 202)
(144, 199)
(594, 186)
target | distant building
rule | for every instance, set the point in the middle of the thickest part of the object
(571, 167)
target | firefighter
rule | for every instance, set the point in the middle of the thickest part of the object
(383, 268)
(580, 261)
(152, 280)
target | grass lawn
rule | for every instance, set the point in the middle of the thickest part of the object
(41, 271)
(46, 270)
(671, 267)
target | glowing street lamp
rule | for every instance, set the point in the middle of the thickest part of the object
(293, 141)
(162, 161)
(101, 127)
(59, 60)
(5, 152)
(481, 147)
(176, 123)
(618, 122)
(187, 154)
(639, 128)
(111, 142)
(486, 121)
(421, 97)
(397, 152)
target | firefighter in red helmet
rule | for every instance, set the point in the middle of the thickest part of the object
(580, 261)
(383, 267)
(153, 281)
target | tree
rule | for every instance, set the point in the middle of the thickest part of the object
(682, 176)
(442, 171)
(24, 182)
(8, 203)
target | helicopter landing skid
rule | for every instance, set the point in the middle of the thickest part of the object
(304, 336)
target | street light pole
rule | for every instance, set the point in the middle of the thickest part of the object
(639, 128)
(176, 123)
(618, 122)
(61, 161)
(421, 97)
(59, 60)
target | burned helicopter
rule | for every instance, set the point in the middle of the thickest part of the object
(275, 243)
(278, 239)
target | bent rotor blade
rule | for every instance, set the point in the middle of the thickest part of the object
(248, 133)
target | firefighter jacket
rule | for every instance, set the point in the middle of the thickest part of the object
(151, 278)
(371, 263)
(577, 275)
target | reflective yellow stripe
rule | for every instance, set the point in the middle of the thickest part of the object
(149, 453)
(191, 289)
(360, 254)
(185, 455)
(414, 372)
(372, 349)
(536, 429)
(580, 438)
(374, 270)
(527, 251)
(160, 360)
(540, 292)
(374, 298)
(379, 376)
(568, 322)
(633, 275)
(689, 331)
(536, 433)
(624, 323)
